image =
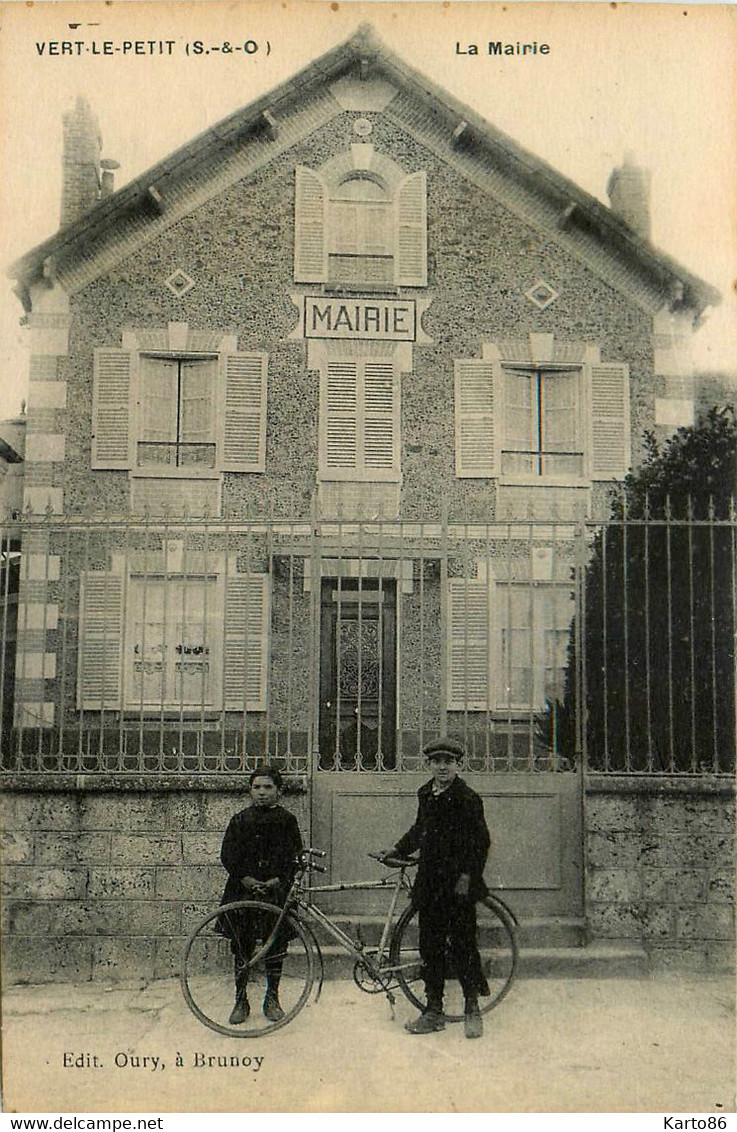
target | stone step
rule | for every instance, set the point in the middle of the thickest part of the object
(542, 932)
(595, 961)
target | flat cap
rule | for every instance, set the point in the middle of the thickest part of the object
(446, 746)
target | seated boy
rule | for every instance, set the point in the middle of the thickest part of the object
(453, 840)
(259, 851)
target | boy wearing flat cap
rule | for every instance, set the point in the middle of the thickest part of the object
(453, 841)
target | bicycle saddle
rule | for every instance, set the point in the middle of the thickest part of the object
(394, 862)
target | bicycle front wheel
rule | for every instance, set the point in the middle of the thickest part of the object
(244, 974)
(497, 945)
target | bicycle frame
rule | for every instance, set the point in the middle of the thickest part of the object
(298, 902)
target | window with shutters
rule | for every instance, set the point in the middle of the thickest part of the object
(189, 645)
(179, 414)
(507, 644)
(359, 420)
(541, 424)
(361, 230)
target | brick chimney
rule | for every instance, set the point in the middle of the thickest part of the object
(628, 189)
(80, 188)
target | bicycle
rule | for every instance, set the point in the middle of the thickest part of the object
(286, 941)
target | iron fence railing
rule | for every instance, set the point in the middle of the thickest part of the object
(198, 646)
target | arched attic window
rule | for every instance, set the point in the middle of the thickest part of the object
(360, 225)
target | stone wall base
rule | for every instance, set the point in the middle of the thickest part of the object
(660, 866)
(107, 881)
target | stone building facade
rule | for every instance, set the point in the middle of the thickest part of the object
(322, 409)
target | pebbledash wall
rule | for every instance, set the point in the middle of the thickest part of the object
(103, 880)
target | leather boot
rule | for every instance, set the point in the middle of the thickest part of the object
(427, 1023)
(242, 1007)
(272, 1007)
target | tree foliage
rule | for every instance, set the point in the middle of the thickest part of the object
(655, 663)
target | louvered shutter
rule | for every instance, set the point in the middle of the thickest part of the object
(99, 681)
(243, 437)
(610, 420)
(247, 619)
(380, 421)
(112, 397)
(469, 644)
(340, 423)
(478, 390)
(310, 227)
(411, 207)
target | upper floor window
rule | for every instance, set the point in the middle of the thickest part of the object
(556, 422)
(361, 233)
(360, 222)
(543, 434)
(179, 413)
(359, 420)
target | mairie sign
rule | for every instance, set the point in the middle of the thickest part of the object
(391, 320)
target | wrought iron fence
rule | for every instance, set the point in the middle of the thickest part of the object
(202, 646)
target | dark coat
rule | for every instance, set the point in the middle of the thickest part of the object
(451, 834)
(260, 843)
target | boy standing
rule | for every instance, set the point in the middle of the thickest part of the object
(259, 852)
(453, 840)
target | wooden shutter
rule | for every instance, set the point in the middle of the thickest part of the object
(99, 682)
(310, 227)
(411, 206)
(112, 396)
(243, 437)
(380, 421)
(469, 643)
(246, 631)
(610, 420)
(340, 421)
(478, 390)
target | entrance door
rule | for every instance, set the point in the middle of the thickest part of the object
(358, 674)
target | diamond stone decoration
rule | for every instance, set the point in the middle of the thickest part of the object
(362, 127)
(541, 294)
(179, 283)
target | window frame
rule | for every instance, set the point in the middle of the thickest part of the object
(547, 479)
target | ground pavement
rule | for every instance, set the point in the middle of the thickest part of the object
(554, 1045)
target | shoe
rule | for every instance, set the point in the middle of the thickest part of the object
(272, 1007)
(428, 1023)
(240, 1011)
(473, 1023)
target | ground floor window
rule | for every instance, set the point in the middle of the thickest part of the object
(184, 644)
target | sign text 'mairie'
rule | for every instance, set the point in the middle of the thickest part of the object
(378, 319)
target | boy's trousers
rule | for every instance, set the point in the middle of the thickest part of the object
(453, 920)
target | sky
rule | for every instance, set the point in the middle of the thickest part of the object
(657, 81)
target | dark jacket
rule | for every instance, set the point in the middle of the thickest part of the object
(260, 843)
(451, 834)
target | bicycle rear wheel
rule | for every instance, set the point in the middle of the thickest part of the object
(497, 945)
(227, 944)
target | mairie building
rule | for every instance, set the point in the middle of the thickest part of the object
(324, 409)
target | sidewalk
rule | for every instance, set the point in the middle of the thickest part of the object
(616, 1045)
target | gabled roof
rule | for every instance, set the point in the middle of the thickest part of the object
(578, 214)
